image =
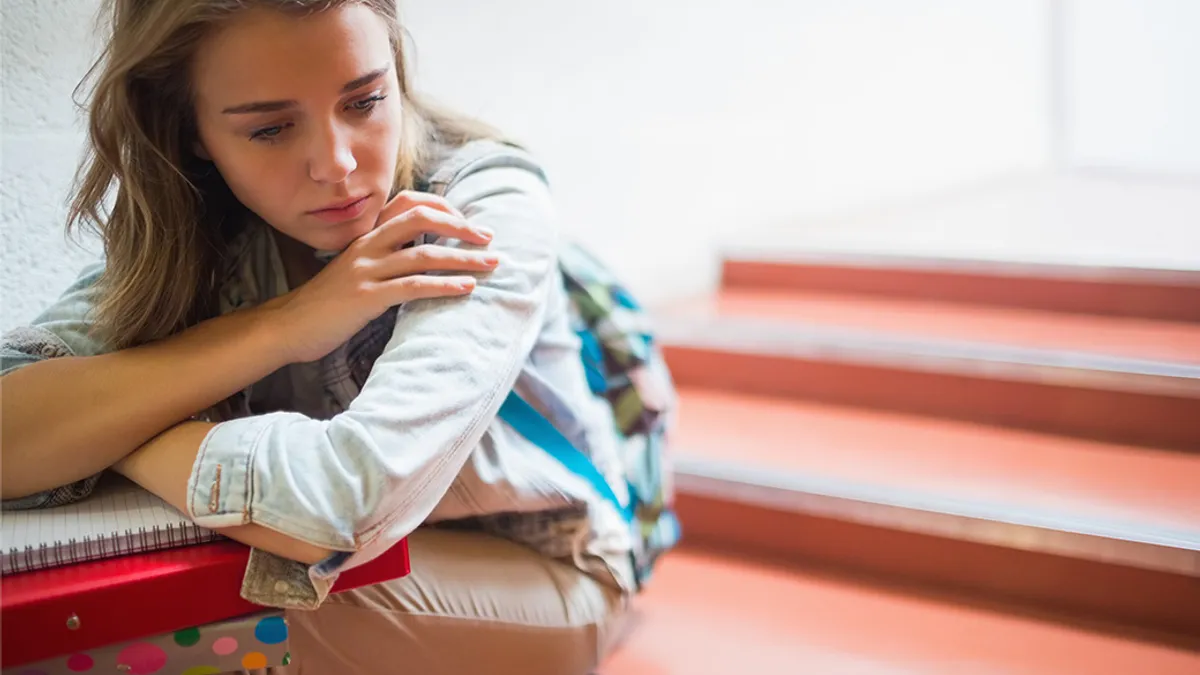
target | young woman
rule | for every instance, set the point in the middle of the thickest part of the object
(317, 291)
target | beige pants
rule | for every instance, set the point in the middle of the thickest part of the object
(473, 604)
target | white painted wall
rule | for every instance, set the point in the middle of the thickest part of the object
(1133, 85)
(673, 125)
(668, 126)
(45, 47)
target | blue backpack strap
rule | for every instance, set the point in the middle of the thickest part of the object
(531, 424)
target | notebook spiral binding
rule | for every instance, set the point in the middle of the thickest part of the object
(112, 545)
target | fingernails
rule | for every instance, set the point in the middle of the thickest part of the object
(482, 232)
(491, 260)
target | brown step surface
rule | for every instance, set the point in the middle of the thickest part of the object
(705, 614)
(1115, 379)
(1087, 528)
(1150, 293)
(1137, 339)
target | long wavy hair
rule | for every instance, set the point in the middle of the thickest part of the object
(168, 224)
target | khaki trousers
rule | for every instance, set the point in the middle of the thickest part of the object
(474, 603)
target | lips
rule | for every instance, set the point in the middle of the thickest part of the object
(340, 205)
(342, 212)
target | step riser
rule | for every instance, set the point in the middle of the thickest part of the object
(1102, 292)
(1119, 416)
(1116, 596)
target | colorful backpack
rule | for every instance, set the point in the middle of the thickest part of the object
(625, 366)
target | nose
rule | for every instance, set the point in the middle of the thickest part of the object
(331, 157)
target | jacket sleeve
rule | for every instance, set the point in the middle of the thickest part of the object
(363, 480)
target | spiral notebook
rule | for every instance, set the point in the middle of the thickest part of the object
(117, 519)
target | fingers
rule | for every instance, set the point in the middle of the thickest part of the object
(435, 258)
(412, 214)
(409, 199)
(427, 270)
(421, 286)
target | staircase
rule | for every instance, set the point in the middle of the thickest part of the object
(903, 465)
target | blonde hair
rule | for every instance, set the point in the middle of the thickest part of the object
(172, 215)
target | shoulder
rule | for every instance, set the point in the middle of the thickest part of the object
(502, 188)
(76, 303)
(62, 329)
(453, 165)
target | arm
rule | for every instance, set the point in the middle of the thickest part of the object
(162, 466)
(365, 479)
(215, 358)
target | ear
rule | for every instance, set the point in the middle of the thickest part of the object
(201, 152)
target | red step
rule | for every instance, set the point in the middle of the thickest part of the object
(704, 614)
(1117, 379)
(1135, 339)
(1172, 295)
(1084, 528)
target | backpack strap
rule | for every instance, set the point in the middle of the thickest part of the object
(531, 424)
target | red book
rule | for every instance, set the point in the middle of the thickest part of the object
(74, 608)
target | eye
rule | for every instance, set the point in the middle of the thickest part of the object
(268, 134)
(366, 105)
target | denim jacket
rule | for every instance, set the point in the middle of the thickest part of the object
(397, 428)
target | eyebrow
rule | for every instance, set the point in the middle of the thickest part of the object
(275, 106)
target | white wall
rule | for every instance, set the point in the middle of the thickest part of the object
(673, 125)
(668, 126)
(1133, 85)
(45, 47)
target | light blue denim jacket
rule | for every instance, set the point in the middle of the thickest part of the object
(357, 469)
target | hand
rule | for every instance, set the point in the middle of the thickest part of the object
(374, 273)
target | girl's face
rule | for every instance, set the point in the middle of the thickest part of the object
(302, 117)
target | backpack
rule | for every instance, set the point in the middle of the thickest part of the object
(624, 365)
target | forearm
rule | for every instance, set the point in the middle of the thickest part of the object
(67, 418)
(370, 475)
(163, 466)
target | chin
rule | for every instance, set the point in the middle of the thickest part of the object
(341, 236)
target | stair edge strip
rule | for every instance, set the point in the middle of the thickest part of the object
(1070, 536)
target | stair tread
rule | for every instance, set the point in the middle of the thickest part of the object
(709, 614)
(1143, 488)
(1141, 339)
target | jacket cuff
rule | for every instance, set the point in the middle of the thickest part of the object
(219, 488)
